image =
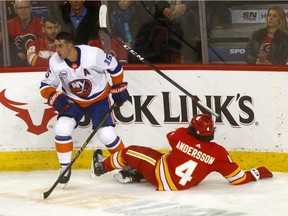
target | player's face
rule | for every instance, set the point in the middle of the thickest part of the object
(63, 48)
(76, 5)
(124, 4)
(273, 19)
(51, 30)
(23, 9)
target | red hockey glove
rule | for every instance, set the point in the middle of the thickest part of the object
(59, 101)
(120, 93)
(260, 173)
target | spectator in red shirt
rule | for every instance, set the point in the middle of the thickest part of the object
(40, 50)
(21, 29)
(269, 45)
(116, 50)
(193, 156)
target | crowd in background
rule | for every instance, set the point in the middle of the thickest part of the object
(161, 31)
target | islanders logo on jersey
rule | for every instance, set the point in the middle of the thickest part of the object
(81, 87)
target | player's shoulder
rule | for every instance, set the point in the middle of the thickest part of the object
(88, 48)
(181, 130)
(90, 53)
(177, 132)
(55, 59)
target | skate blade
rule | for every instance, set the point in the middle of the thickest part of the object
(36, 196)
(92, 173)
(63, 186)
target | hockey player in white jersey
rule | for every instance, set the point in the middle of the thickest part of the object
(81, 71)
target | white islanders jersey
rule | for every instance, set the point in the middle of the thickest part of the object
(85, 81)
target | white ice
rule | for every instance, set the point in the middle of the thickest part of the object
(104, 196)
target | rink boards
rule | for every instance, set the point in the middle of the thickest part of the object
(252, 124)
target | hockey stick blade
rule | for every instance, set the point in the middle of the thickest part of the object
(46, 194)
(103, 16)
(103, 26)
(36, 196)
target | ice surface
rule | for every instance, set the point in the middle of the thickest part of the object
(104, 196)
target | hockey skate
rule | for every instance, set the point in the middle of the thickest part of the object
(128, 175)
(97, 166)
(63, 181)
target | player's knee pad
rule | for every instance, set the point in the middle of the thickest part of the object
(107, 135)
(65, 126)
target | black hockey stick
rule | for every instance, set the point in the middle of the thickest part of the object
(103, 26)
(47, 193)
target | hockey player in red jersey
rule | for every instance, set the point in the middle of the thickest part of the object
(40, 50)
(193, 156)
(81, 73)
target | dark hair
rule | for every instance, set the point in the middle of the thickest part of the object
(52, 19)
(66, 36)
(192, 132)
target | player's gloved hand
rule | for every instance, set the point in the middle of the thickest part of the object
(45, 54)
(260, 173)
(120, 93)
(59, 101)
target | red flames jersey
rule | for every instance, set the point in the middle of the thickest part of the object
(33, 30)
(85, 81)
(185, 166)
(190, 161)
(38, 53)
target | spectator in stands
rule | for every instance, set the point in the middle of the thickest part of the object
(21, 29)
(169, 38)
(124, 19)
(218, 14)
(131, 21)
(178, 17)
(269, 45)
(79, 20)
(40, 50)
(116, 50)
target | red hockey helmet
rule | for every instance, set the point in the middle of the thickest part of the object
(203, 124)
